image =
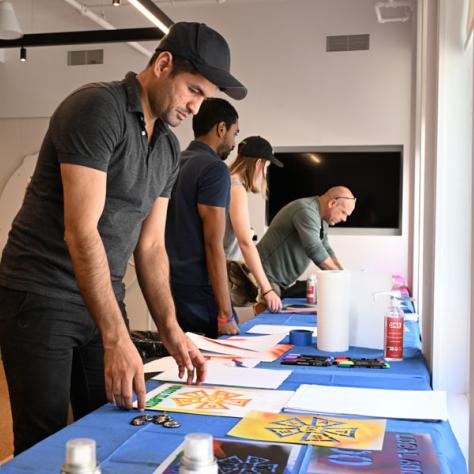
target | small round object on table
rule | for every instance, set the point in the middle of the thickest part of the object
(301, 337)
(172, 424)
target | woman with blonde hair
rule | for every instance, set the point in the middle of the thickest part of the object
(248, 174)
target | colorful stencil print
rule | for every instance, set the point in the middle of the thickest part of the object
(311, 429)
(247, 465)
(153, 401)
(402, 453)
(216, 400)
(244, 457)
(318, 429)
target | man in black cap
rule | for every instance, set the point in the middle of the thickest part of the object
(100, 192)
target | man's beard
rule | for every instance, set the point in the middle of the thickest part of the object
(224, 152)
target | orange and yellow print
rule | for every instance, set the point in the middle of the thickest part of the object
(318, 430)
(215, 400)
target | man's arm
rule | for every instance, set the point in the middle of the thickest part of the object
(213, 222)
(152, 267)
(84, 198)
(308, 227)
(336, 262)
(330, 263)
(239, 217)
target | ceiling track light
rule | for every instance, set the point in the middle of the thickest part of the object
(116, 3)
(23, 54)
(148, 9)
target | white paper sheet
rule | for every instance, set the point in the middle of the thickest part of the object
(215, 346)
(403, 404)
(231, 361)
(218, 374)
(168, 363)
(366, 313)
(159, 365)
(275, 329)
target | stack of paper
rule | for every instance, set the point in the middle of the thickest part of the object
(275, 329)
(168, 363)
(219, 374)
(264, 348)
(299, 308)
(404, 404)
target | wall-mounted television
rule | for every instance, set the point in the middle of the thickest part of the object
(373, 173)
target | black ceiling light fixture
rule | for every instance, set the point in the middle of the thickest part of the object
(84, 37)
(23, 54)
(116, 3)
(125, 35)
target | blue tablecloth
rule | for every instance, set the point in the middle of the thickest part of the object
(410, 374)
(122, 448)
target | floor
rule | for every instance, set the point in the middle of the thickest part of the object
(6, 436)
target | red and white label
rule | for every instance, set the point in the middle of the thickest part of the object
(393, 341)
(311, 291)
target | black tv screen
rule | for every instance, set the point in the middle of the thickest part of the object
(374, 174)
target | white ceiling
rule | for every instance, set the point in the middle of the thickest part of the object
(44, 16)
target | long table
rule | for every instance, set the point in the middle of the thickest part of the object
(122, 448)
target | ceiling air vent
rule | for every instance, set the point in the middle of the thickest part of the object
(86, 56)
(347, 43)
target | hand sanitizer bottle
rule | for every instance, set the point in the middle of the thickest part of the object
(393, 327)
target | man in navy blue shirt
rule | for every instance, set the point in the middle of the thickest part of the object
(196, 224)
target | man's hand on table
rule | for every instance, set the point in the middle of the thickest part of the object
(184, 351)
(123, 370)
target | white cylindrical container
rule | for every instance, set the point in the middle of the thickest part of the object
(333, 318)
(80, 457)
(198, 457)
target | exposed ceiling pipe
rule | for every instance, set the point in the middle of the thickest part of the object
(123, 35)
(177, 3)
(83, 10)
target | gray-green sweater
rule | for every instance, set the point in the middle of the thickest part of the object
(293, 240)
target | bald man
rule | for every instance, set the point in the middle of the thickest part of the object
(298, 235)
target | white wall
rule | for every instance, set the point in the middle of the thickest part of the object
(298, 93)
(452, 198)
(301, 95)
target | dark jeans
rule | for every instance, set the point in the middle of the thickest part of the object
(53, 354)
(297, 290)
(196, 309)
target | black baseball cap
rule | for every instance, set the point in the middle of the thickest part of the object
(258, 147)
(207, 51)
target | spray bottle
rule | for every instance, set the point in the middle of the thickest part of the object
(80, 457)
(393, 327)
(198, 456)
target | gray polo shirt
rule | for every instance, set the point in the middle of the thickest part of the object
(296, 236)
(100, 126)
